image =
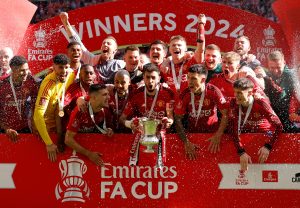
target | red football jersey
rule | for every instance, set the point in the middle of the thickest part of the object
(294, 105)
(82, 122)
(168, 76)
(136, 105)
(208, 119)
(72, 94)
(122, 101)
(262, 119)
(26, 95)
(225, 85)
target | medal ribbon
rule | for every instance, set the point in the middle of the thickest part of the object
(15, 96)
(104, 130)
(153, 102)
(200, 105)
(251, 101)
(62, 100)
(177, 82)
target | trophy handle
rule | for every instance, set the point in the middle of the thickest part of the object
(63, 168)
(83, 169)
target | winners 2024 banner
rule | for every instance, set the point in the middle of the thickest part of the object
(141, 22)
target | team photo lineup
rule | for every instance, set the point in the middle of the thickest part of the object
(206, 90)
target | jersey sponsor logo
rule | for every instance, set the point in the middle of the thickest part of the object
(156, 115)
(255, 123)
(269, 176)
(205, 113)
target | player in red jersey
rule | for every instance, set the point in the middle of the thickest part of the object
(200, 102)
(175, 69)
(249, 114)
(120, 93)
(152, 100)
(6, 55)
(157, 52)
(96, 118)
(18, 92)
(86, 79)
(80, 88)
(231, 72)
(242, 47)
(294, 110)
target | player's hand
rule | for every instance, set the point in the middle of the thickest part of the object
(260, 72)
(167, 122)
(110, 132)
(96, 158)
(201, 19)
(214, 145)
(187, 56)
(12, 135)
(190, 150)
(140, 66)
(250, 58)
(244, 160)
(64, 17)
(81, 104)
(136, 127)
(263, 154)
(52, 152)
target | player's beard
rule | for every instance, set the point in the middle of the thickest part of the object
(151, 88)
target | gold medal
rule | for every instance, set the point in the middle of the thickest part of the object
(61, 113)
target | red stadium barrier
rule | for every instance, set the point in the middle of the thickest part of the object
(29, 179)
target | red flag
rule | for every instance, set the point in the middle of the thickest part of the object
(15, 16)
(289, 16)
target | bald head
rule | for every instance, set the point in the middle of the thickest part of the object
(122, 73)
(122, 81)
(6, 54)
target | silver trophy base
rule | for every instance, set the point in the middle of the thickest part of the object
(149, 141)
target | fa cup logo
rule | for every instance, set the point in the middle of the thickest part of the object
(40, 38)
(72, 186)
(269, 37)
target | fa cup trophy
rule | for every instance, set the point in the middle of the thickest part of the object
(149, 135)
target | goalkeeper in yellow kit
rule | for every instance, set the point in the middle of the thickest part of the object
(49, 103)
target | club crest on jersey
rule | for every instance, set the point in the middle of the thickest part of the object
(160, 103)
(206, 102)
